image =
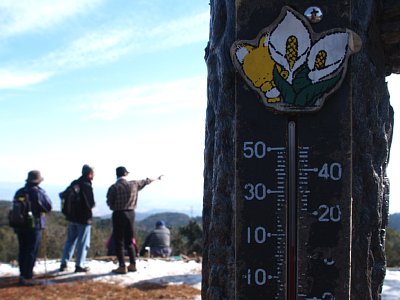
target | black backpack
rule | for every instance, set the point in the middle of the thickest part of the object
(70, 201)
(20, 215)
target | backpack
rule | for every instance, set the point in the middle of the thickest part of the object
(20, 215)
(70, 202)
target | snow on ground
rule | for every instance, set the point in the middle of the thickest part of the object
(391, 287)
(174, 271)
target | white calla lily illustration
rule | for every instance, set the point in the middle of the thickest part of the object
(315, 67)
(290, 44)
(327, 55)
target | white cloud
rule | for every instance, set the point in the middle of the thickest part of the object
(149, 99)
(107, 43)
(90, 49)
(28, 15)
(110, 42)
(9, 79)
(179, 32)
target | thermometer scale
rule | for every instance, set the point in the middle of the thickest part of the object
(293, 219)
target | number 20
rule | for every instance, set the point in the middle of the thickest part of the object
(330, 214)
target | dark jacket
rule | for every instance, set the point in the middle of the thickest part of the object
(86, 201)
(40, 204)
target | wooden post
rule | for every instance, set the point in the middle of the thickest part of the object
(294, 184)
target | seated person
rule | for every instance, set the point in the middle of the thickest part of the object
(159, 241)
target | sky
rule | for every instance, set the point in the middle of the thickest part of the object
(110, 83)
(105, 83)
(394, 161)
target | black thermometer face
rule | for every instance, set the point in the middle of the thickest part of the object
(293, 208)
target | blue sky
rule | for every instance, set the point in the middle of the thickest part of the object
(109, 83)
(106, 83)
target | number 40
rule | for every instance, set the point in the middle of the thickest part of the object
(331, 171)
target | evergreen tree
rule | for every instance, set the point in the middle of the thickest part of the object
(392, 248)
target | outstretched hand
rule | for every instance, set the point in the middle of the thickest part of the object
(154, 179)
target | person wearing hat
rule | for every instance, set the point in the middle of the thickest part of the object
(29, 238)
(159, 241)
(122, 199)
(79, 226)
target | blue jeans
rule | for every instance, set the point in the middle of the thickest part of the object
(28, 243)
(78, 236)
(160, 251)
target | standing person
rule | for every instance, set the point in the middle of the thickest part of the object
(78, 230)
(29, 238)
(159, 241)
(122, 200)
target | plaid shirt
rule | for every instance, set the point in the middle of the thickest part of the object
(123, 194)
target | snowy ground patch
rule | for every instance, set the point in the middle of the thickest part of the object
(158, 271)
(391, 287)
(173, 271)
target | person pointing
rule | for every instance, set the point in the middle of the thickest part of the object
(122, 199)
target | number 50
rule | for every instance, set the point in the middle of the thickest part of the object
(254, 149)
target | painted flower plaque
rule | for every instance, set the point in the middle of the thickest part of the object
(293, 68)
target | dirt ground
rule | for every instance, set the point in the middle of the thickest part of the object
(51, 289)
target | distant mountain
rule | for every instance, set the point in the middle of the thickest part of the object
(5, 203)
(394, 221)
(140, 216)
(147, 203)
(172, 219)
(144, 221)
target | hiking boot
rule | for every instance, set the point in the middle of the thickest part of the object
(29, 282)
(120, 270)
(132, 268)
(21, 281)
(81, 269)
(63, 267)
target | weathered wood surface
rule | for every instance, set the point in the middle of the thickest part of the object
(376, 23)
(389, 23)
(372, 133)
(218, 217)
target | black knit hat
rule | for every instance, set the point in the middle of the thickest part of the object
(86, 169)
(121, 171)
